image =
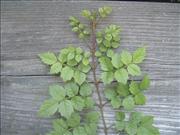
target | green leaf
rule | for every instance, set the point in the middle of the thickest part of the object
(134, 88)
(147, 120)
(85, 89)
(134, 70)
(89, 102)
(91, 129)
(116, 102)
(79, 131)
(105, 64)
(67, 133)
(56, 68)
(110, 53)
(120, 125)
(57, 92)
(60, 126)
(75, 29)
(136, 117)
(120, 116)
(79, 77)
(79, 50)
(63, 56)
(110, 94)
(107, 43)
(140, 99)
(123, 89)
(143, 131)
(139, 55)
(67, 73)
(66, 108)
(72, 62)
(71, 89)
(153, 130)
(121, 75)
(74, 120)
(48, 58)
(128, 103)
(85, 61)
(145, 83)
(78, 58)
(71, 56)
(78, 103)
(107, 77)
(126, 57)
(84, 68)
(48, 108)
(92, 117)
(98, 54)
(131, 128)
(116, 61)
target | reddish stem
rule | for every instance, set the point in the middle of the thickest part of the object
(96, 81)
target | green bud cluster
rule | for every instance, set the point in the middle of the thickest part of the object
(104, 11)
(78, 27)
(108, 38)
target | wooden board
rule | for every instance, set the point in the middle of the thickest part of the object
(31, 27)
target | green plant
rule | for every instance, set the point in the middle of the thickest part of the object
(73, 64)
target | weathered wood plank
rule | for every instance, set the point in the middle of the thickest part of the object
(29, 28)
(22, 96)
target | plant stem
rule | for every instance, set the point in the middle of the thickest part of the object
(96, 81)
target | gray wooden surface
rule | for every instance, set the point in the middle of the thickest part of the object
(29, 28)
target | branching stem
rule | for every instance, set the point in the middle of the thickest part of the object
(96, 81)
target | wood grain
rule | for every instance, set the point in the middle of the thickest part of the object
(31, 27)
